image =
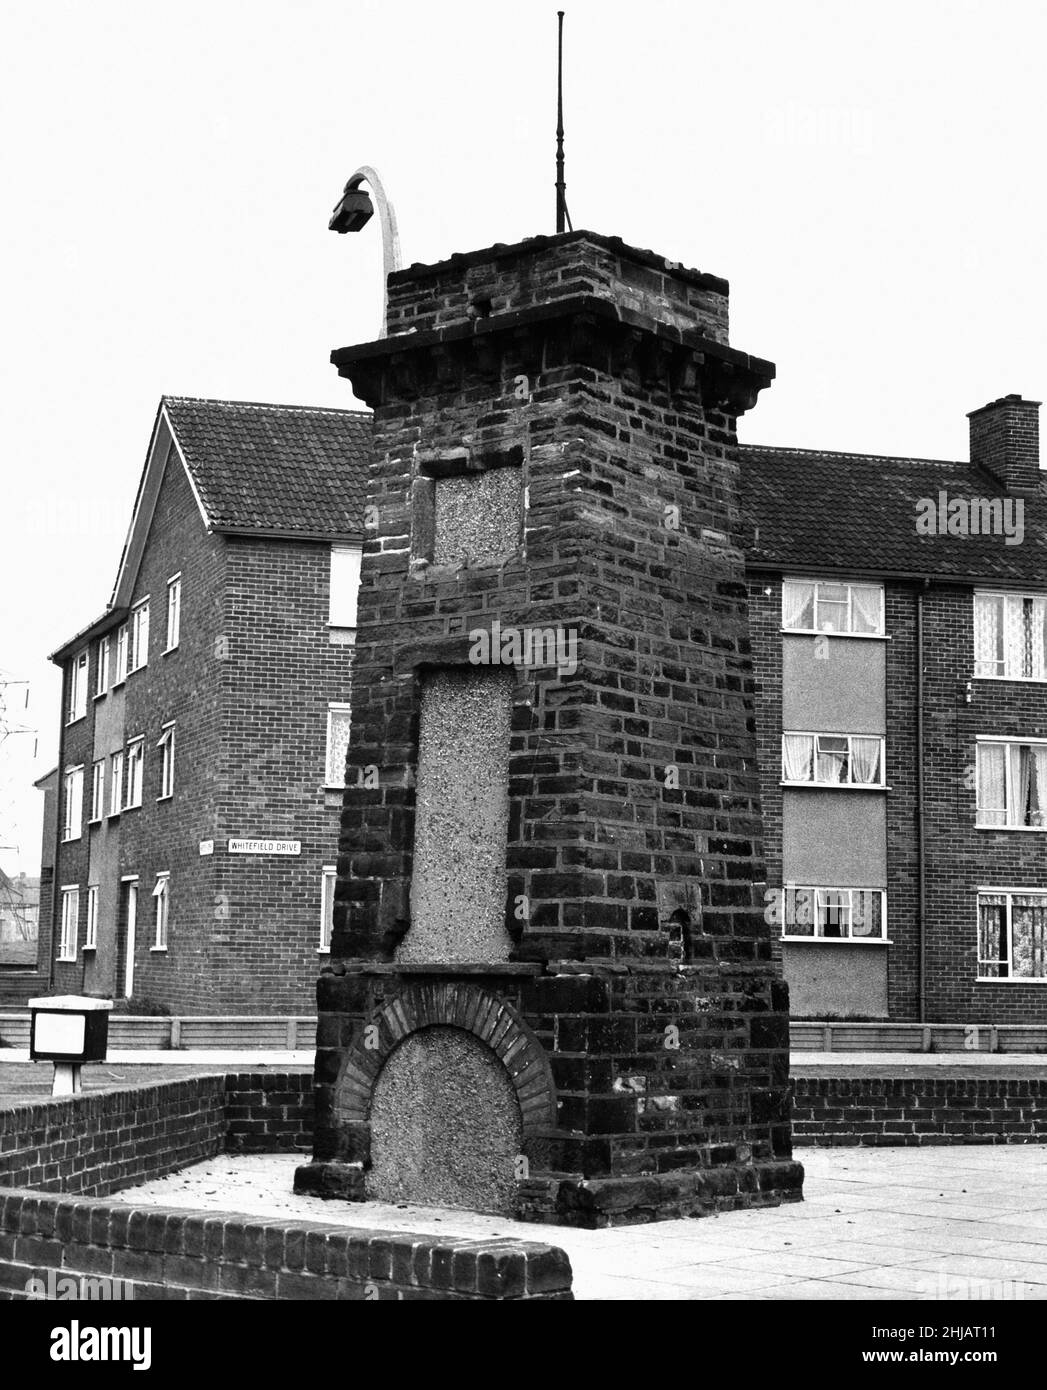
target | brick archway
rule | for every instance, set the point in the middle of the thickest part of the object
(458, 1005)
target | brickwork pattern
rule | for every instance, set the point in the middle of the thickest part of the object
(888, 1111)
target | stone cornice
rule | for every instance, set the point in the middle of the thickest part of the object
(585, 330)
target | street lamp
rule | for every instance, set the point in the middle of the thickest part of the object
(355, 210)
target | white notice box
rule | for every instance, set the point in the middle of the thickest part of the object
(265, 846)
(60, 1033)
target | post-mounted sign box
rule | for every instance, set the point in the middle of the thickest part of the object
(69, 1029)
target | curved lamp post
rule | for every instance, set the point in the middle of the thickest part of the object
(355, 210)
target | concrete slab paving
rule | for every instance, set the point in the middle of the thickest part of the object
(878, 1224)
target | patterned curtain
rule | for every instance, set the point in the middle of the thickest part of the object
(992, 936)
(1029, 937)
(865, 912)
(797, 604)
(798, 757)
(1038, 638)
(988, 634)
(1014, 634)
(865, 608)
(865, 760)
(832, 759)
(1021, 784)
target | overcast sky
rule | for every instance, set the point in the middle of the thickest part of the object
(868, 177)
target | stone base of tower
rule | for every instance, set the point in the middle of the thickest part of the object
(615, 1095)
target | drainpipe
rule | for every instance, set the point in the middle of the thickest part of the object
(921, 880)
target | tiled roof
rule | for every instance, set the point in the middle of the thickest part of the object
(810, 509)
(275, 468)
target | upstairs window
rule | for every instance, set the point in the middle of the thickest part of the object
(1012, 936)
(1012, 785)
(77, 704)
(345, 585)
(102, 671)
(338, 723)
(174, 611)
(116, 783)
(166, 746)
(73, 803)
(135, 768)
(98, 790)
(833, 760)
(822, 606)
(121, 654)
(1010, 636)
(834, 914)
(139, 635)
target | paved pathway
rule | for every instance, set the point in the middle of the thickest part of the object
(934, 1223)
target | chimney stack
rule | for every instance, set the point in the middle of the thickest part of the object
(1005, 439)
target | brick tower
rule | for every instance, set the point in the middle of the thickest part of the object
(551, 990)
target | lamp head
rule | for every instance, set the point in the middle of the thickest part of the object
(354, 211)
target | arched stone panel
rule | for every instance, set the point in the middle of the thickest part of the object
(453, 1005)
(445, 1125)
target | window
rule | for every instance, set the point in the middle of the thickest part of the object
(1012, 784)
(337, 744)
(77, 706)
(135, 761)
(70, 922)
(821, 606)
(345, 584)
(139, 635)
(174, 611)
(121, 655)
(167, 770)
(98, 789)
(161, 897)
(91, 934)
(327, 906)
(833, 760)
(116, 783)
(1012, 935)
(1010, 636)
(73, 807)
(834, 914)
(102, 673)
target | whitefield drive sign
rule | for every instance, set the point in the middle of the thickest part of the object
(265, 846)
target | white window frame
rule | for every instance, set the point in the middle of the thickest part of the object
(97, 790)
(102, 672)
(77, 705)
(134, 786)
(139, 641)
(329, 877)
(1008, 779)
(987, 890)
(174, 612)
(91, 930)
(815, 900)
(850, 585)
(116, 782)
(73, 804)
(1008, 662)
(123, 643)
(344, 586)
(333, 708)
(850, 784)
(70, 929)
(162, 901)
(166, 744)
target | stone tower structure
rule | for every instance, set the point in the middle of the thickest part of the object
(551, 990)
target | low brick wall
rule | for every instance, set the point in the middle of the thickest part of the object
(919, 1110)
(170, 1254)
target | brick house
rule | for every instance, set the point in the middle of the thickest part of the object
(898, 610)
(204, 717)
